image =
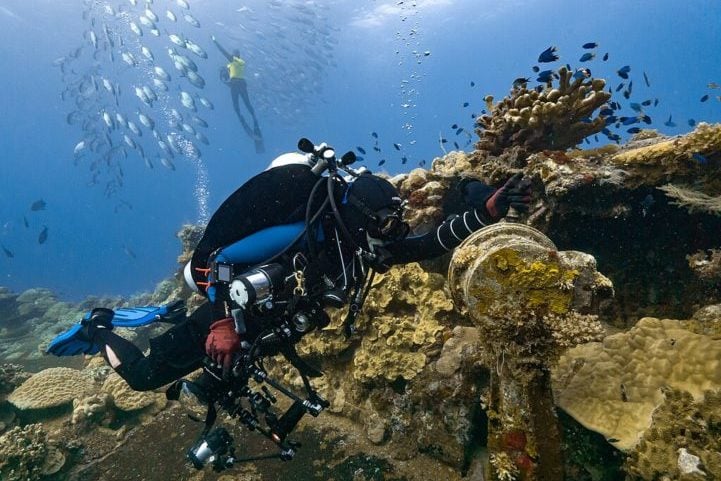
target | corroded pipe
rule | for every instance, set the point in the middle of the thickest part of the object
(523, 295)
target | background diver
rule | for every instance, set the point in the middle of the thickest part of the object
(265, 257)
(233, 75)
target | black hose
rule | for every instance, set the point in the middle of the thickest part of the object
(336, 212)
(309, 230)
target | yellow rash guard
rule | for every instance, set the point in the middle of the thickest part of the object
(236, 68)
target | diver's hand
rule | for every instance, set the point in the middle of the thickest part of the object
(222, 343)
(516, 193)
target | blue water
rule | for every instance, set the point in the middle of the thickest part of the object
(332, 71)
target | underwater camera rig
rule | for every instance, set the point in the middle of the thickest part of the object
(253, 407)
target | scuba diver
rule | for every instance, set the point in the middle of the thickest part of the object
(233, 76)
(268, 266)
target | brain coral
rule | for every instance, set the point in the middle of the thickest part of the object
(51, 388)
(612, 387)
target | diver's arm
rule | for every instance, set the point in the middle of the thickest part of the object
(483, 205)
(448, 235)
(222, 50)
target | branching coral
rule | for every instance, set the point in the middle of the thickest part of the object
(554, 118)
(692, 200)
(22, 453)
(11, 376)
(503, 466)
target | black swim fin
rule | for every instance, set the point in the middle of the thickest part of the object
(258, 139)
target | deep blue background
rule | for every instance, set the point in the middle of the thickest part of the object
(359, 90)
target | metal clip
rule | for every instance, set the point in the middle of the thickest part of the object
(300, 283)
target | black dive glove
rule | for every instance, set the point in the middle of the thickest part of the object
(516, 193)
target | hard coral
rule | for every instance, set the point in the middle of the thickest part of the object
(404, 315)
(51, 388)
(125, 398)
(11, 376)
(22, 453)
(612, 387)
(553, 119)
(673, 157)
(684, 439)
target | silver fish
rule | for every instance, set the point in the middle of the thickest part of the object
(146, 21)
(187, 100)
(107, 85)
(201, 137)
(183, 4)
(151, 15)
(177, 40)
(108, 120)
(79, 147)
(188, 128)
(130, 142)
(149, 93)
(147, 53)
(191, 20)
(129, 58)
(93, 39)
(145, 120)
(189, 64)
(195, 79)
(205, 102)
(120, 119)
(196, 49)
(173, 143)
(199, 121)
(134, 128)
(164, 147)
(171, 16)
(140, 93)
(136, 30)
(161, 73)
(160, 85)
(167, 163)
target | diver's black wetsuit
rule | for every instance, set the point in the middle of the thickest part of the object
(274, 197)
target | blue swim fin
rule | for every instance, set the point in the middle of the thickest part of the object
(75, 340)
(142, 316)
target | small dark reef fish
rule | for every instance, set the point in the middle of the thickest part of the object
(38, 205)
(548, 55)
(43, 235)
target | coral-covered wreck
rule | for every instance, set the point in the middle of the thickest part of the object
(584, 343)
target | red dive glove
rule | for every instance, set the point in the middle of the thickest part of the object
(516, 193)
(222, 343)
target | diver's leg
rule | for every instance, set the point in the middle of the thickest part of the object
(174, 354)
(246, 101)
(235, 92)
